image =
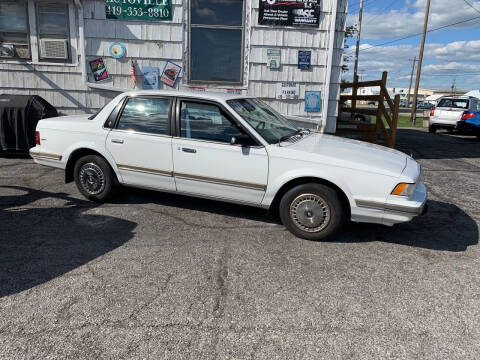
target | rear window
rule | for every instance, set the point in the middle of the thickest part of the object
(454, 103)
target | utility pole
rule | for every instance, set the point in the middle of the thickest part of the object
(411, 80)
(454, 85)
(413, 115)
(359, 30)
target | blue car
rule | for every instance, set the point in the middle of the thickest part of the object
(470, 123)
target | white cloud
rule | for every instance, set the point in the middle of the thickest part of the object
(463, 51)
(409, 20)
(441, 63)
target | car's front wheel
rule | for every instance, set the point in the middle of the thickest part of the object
(312, 211)
(94, 178)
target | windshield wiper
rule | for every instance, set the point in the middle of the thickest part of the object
(298, 132)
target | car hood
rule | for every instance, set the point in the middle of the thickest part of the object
(351, 153)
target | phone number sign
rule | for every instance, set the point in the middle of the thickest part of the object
(159, 10)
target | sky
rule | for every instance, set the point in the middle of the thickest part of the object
(451, 54)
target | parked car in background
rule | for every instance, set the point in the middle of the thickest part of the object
(470, 124)
(425, 106)
(236, 149)
(449, 112)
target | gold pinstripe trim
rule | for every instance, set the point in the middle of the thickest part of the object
(246, 185)
(43, 155)
(145, 170)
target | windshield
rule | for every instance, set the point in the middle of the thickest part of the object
(271, 125)
(454, 103)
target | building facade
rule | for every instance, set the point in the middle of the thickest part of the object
(78, 54)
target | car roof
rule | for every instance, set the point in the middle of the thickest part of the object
(209, 95)
(461, 97)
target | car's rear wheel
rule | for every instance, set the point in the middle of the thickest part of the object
(94, 178)
(432, 129)
(312, 211)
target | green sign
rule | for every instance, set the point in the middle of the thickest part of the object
(159, 10)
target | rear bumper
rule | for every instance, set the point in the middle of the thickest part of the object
(468, 128)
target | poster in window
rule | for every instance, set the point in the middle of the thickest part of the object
(313, 101)
(150, 78)
(304, 59)
(289, 13)
(170, 73)
(99, 69)
(273, 58)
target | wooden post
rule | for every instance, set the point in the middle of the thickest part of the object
(354, 97)
(396, 109)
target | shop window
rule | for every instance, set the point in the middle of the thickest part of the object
(52, 29)
(216, 41)
(14, 30)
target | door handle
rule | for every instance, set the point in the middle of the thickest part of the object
(117, 141)
(188, 150)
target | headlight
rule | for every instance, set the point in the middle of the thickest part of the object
(404, 189)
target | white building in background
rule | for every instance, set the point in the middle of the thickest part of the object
(49, 48)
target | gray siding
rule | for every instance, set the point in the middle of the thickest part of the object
(154, 43)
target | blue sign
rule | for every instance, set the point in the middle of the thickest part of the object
(304, 59)
(150, 78)
(313, 101)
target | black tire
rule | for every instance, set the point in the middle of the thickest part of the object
(94, 178)
(432, 129)
(296, 214)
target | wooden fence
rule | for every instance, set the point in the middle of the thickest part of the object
(384, 130)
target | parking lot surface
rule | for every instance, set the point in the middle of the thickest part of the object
(154, 276)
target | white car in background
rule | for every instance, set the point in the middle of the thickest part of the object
(449, 111)
(236, 149)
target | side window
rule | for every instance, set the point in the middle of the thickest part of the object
(206, 122)
(146, 115)
(52, 28)
(14, 30)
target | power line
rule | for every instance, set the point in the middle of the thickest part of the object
(471, 5)
(413, 35)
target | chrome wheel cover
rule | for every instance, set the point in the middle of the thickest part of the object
(310, 213)
(92, 178)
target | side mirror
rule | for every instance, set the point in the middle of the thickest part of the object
(243, 140)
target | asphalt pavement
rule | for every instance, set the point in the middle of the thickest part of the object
(157, 276)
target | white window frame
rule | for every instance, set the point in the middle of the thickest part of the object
(34, 39)
(241, 81)
(28, 37)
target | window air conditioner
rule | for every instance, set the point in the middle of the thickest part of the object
(7, 50)
(53, 48)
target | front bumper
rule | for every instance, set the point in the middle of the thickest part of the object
(398, 209)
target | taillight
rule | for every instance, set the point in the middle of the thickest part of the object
(432, 112)
(468, 115)
(37, 137)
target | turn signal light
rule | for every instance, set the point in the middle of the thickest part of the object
(404, 189)
(37, 137)
(467, 116)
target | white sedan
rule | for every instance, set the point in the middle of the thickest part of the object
(236, 149)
